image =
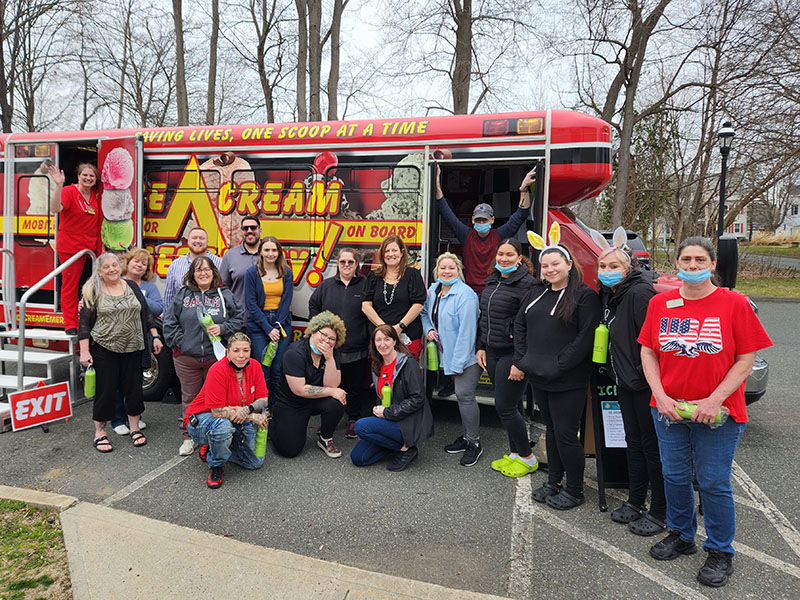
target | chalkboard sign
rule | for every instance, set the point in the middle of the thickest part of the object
(609, 436)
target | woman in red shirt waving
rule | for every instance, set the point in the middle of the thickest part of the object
(698, 345)
(403, 418)
(224, 416)
(78, 229)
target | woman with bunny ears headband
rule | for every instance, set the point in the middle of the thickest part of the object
(625, 295)
(553, 339)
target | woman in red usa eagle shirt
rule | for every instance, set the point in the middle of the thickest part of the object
(698, 344)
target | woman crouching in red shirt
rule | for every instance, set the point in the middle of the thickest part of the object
(223, 417)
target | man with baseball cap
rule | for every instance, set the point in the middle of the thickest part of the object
(481, 240)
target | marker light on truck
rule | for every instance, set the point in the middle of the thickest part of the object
(496, 127)
(530, 126)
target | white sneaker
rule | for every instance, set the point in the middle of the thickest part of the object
(122, 429)
(142, 424)
(187, 447)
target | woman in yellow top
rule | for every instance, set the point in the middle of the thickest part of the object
(268, 288)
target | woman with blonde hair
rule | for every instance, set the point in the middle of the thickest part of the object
(268, 290)
(395, 293)
(310, 384)
(450, 320)
(112, 337)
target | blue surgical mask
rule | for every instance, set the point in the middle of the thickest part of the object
(314, 348)
(694, 277)
(482, 227)
(610, 278)
(446, 281)
(506, 270)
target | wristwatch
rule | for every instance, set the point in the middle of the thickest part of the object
(402, 326)
(250, 409)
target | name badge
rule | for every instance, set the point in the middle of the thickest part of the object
(675, 303)
(90, 210)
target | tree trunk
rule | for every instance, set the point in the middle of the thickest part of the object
(314, 59)
(302, 57)
(333, 75)
(212, 64)
(462, 60)
(181, 96)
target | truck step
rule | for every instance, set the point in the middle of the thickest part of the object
(34, 357)
(56, 335)
(9, 382)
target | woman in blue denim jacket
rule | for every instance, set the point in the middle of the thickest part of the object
(268, 289)
(450, 319)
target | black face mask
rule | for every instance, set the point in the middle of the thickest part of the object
(234, 367)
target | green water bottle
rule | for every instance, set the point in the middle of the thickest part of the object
(433, 356)
(89, 382)
(600, 352)
(269, 354)
(386, 395)
(261, 442)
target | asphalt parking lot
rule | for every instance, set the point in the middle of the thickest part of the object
(467, 528)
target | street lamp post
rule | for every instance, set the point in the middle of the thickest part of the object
(725, 139)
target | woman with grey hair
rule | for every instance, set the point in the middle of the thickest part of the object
(112, 334)
(310, 384)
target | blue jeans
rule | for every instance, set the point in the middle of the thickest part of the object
(684, 444)
(260, 340)
(120, 414)
(378, 437)
(226, 441)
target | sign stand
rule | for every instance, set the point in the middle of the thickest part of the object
(609, 436)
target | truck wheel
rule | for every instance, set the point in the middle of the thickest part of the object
(158, 378)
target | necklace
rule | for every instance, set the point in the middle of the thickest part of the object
(390, 299)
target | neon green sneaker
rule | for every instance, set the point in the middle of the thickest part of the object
(498, 464)
(518, 468)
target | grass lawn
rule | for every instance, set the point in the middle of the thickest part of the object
(775, 287)
(33, 560)
(771, 251)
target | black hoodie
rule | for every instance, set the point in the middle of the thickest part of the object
(624, 310)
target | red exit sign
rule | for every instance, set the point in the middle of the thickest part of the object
(40, 405)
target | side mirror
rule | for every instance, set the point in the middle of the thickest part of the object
(727, 260)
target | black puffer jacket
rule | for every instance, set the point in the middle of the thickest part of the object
(500, 302)
(624, 310)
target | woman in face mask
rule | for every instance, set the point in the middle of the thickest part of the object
(505, 287)
(699, 343)
(624, 295)
(450, 320)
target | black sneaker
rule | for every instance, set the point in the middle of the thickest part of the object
(671, 547)
(215, 477)
(401, 460)
(459, 445)
(471, 454)
(717, 569)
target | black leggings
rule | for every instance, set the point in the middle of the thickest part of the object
(644, 460)
(356, 382)
(116, 371)
(288, 426)
(508, 401)
(562, 413)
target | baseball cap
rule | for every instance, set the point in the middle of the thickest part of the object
(483, 211)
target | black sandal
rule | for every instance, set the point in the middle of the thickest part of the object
(548, 489)
(647, 525)
(103, 441)
(627, 513)
(563, 500)
(136, 436)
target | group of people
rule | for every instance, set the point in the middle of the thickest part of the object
(358, 356)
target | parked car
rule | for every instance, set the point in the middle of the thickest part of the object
(636, 245)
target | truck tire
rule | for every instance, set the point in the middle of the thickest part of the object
(158, 378)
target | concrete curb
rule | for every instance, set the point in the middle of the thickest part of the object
(116, 554)
(758, 299)
(36, 498)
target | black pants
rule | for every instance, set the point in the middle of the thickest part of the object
(116, 371)
(287, 430)
(356, 382)
(508, 401)
(562, 413)
(644, 461)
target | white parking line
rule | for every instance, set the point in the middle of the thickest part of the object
(520, 576)
(524, 512)
(143, 480)
(778, 520)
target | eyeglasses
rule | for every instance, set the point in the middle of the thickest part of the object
(250, 227)
(331, 338)
(347, 262)
(203, 270)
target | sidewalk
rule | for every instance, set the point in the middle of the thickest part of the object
(115, 554)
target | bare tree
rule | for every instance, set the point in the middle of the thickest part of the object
(212, 63)
(181, 95)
